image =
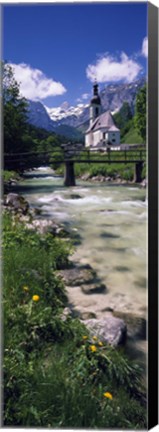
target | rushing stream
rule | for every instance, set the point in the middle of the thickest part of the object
(111, 221)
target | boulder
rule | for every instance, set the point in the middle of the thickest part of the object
(144, 183)
(109, 329)
(87, 315)
(136, 325)
(43, 226)
(67, 312)
(95, 288)
(17, 202)
(85, 177)
(77, 275)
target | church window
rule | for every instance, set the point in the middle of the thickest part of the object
(96, 111)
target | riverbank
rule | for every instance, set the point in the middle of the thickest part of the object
(85, 373)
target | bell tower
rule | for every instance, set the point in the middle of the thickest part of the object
(95, 104)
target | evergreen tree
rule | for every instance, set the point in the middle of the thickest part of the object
(14, 112)
(123, 116)
(140, 113)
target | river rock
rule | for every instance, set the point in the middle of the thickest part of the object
(85, 177)
(136, 325)
(17, 202)
(43, 226)
(94, 288)
(86, 315)
(67, 312)
(144, 183)
(110, 329)
(77, 275)
(99, 178)
(74, 196)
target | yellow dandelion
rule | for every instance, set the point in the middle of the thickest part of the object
(35, 298)
(93, 348)
(25, 288)
(95, 338)
(108, 395)
(85, 337)
(100, 343)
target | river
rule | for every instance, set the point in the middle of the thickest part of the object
(111, 221)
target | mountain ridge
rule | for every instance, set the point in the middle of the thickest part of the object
(77, 118)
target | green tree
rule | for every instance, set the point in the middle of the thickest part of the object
(14, 112)
(123, 116)
(140, 113)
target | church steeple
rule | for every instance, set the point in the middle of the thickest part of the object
(95, 104)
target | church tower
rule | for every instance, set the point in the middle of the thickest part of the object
(95, 104)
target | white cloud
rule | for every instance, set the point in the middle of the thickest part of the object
(34, 84)
(108, 68)
(85, 96)
(144, 50)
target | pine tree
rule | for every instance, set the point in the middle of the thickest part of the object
(140, 113)
(14, 112)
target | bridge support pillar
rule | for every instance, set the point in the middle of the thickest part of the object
(69, 178)
(138, 172)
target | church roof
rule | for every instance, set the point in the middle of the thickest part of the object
(105, 120)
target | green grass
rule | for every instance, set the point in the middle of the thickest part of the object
(9, 175)
(52, 377)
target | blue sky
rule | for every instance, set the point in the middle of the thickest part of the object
(58, 49)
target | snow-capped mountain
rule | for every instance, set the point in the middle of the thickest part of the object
(112, 98)
(64, 111)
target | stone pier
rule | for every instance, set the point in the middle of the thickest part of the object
(69, 176)
(138, 172)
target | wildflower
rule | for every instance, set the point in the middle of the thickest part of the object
(93, 348)
(85, 337)
(108, 395)
(35, 298)
(94, 337)
(100, 343)
(25, 288)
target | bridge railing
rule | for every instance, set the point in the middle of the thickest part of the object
(77, 154)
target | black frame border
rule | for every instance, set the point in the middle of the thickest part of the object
(152, 215)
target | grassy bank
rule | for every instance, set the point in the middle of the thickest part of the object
(54, 374)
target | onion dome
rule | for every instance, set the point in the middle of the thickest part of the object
(96, 98)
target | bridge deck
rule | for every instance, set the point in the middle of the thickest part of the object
(127, 156)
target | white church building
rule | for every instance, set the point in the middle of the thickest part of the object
(102, 131)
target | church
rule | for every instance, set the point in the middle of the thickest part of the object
(102, 131)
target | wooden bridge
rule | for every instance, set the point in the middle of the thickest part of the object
(69, 154)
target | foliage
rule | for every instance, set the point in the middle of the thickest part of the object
(19, 135)
(129, 124)
(122, 117)
(55, 375)
(9, 175)
(140, 112)
(70, 132)
(14, 111)
(131, 136)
